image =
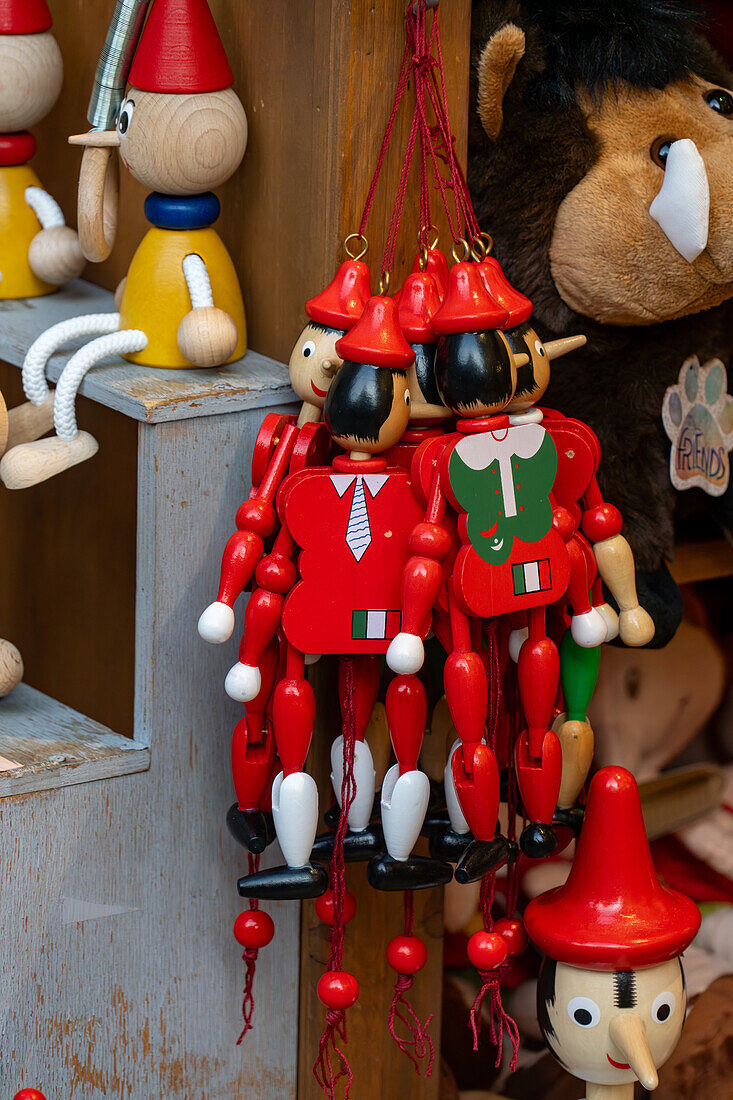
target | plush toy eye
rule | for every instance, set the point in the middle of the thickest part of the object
(720, 101)
(660, 150)
(308, 348)
(125, 116)
(584, 1012)
(663, 1006)
(538, 347)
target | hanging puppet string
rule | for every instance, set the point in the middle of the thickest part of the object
(332, 1064)
(250, 960)
(419, 1045)
(499, 1021)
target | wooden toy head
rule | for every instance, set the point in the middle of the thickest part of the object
(612, 1027)
(533, 377)
(31, 75)
(314, 362)
(475, 372)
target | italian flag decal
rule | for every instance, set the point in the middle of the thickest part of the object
(531, 576)
(378, 625)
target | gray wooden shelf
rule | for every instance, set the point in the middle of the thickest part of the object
(45, 745)
(153, 396)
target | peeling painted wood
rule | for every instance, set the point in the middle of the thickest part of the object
(153, 396)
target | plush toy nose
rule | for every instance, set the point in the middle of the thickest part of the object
(629, 1034)
(682, 207)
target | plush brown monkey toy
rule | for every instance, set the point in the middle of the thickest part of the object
(601, 161)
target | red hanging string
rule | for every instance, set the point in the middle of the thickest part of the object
(419, 1045)
(325, 1072)
(250, 961)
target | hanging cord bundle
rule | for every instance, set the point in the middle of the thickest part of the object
(253, 929)
(337, 989)
(488, 950)
(407, 955)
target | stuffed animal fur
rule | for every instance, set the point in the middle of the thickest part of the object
(572, 103)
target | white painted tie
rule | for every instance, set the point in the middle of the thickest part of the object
(358, 531)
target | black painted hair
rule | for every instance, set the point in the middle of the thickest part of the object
(599, 43)
(526, 380)
(624, 989)
(359, 400)
(473, 369)
(425, 373)
(546, 994)
(325, 328)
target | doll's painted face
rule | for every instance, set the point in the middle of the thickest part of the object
(31, 75)
(367, 407)
(314, 362)
(181, 144)
(577, 1010)
(533, 377)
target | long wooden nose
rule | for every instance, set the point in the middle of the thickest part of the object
(556, 348)
(629, 1034)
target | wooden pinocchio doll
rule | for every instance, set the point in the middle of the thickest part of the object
(181, 130)
(39, 251)
(611, 993)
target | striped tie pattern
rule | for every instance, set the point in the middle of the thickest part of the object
(358, 531)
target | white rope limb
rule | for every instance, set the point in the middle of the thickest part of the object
(115, 343)
(35, 386)
(45, 207)
(197, 281)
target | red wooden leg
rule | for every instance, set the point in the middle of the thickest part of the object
(538, 755)
(407, 711)
(293, 714)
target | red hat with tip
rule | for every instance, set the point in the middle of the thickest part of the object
(24, 17)
(437, 266)
(418, 303)
(180, 51)
(467, 306)
(613, 912)
(517, 305)
(377, 338)
(342, 302)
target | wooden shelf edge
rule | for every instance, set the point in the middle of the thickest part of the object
(54, 777)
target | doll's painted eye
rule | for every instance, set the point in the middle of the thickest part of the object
(308, 348)
(660, 150)
(663, 1007)
(584, 1012)
(720, 101)
(407, 397)
(125, 116)
(539, 347)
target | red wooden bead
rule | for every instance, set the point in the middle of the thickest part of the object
(407, 954)
(431, 540)
(275, 573)
(324, 907)
(487, 950)
(512, 929)
(602, 522)
(256, 515)
(338, 989)
(29, 1094)
(254, 929)
(564, 523)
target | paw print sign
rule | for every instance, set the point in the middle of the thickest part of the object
(697, 414)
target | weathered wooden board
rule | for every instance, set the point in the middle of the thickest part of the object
(143, 393)
(56, 746)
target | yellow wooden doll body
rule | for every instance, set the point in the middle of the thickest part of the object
(18, 227)
(155, 298)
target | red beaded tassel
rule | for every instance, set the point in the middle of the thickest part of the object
(488, 950)
(407, 954)
(253, 929)
(337, 989)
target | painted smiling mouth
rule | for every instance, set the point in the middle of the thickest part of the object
(618, 1065)
(317, 392)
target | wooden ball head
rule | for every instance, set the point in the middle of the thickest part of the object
(32, 74)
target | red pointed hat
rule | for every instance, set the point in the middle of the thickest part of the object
(517, 305)
(24, 17)
(613, 912)
(467, 306)
(437, 266)
(418, 303)
(377, 337)
(342, 303)
(180, 51)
